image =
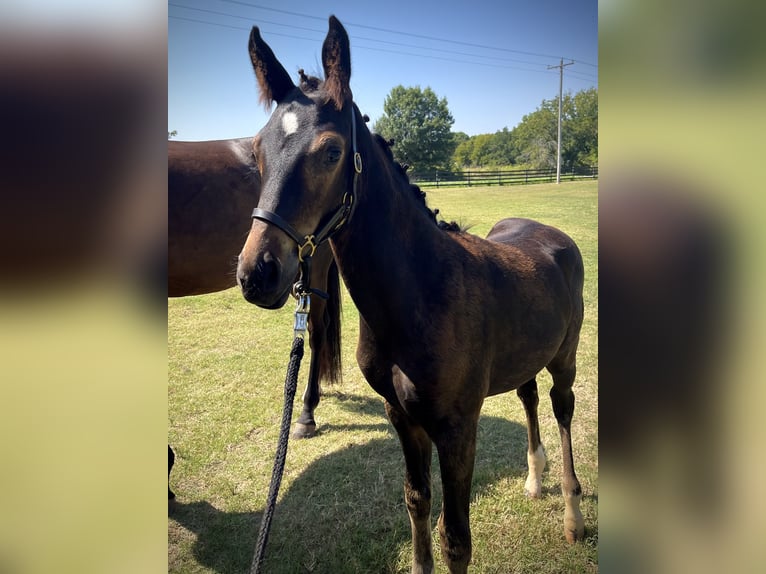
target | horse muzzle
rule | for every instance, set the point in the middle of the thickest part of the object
(263, 280)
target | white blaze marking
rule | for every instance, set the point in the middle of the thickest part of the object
(290, 123)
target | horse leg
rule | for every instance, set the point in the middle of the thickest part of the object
(457, 452)
(171, 461)
(305, 426)
(535, 451)
(563, 401)
(416, 446)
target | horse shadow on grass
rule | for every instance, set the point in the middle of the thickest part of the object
(354, 496)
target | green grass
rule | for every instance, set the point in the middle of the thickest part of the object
(341, 506)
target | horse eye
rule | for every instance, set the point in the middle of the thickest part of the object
(333, 154)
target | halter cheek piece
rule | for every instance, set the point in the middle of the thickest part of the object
(307, 244)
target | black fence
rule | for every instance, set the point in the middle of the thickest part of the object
(506, 177)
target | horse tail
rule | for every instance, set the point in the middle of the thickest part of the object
(330, 354)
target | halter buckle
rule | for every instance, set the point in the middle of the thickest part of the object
(357, 161)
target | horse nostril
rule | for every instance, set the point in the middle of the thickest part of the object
(242, 278)
(267, 271)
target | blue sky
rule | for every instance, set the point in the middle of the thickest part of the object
(489, 59)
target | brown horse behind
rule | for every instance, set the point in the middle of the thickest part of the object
(212, 188)
(447, 318)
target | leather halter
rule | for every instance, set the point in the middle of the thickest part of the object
(307, 244)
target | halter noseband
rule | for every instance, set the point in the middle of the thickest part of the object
(307, 244)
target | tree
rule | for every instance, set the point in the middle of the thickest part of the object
(172, 134)
(482, 150)
(582, 129)
(459, 137)
(463, 153)
(533, 141)
(461, 143)
(503, 149)
(536, 136)
(419, 123)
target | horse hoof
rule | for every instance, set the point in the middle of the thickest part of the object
(574, 530)
(574, 523)
(574, 536)
(533, 489)
(301, 430)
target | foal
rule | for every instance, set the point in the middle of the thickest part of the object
(446, 318)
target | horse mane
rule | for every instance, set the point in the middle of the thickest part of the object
(419, 194)
(312, 84)
(308, 84)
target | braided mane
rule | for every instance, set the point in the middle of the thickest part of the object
(419, 194)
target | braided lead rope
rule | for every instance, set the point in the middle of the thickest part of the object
(291, 383)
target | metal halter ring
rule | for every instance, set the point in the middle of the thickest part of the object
(308, 243)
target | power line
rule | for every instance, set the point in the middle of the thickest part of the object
(249, 19)
(362, 47)
(586, 63)
(452, 60)
(583, 76)
(391, 31)
(209, 23)
(364, 38)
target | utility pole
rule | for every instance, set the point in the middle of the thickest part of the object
(558, 140)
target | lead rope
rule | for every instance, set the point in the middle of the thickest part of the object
(291, 383)
(302, 292)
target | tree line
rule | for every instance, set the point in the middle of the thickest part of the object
(420, 124)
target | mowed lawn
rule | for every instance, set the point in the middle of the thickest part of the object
(341, 506)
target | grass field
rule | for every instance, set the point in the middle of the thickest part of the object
(341, 507)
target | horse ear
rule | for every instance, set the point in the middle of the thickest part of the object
(336, 60)
(273, 80)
